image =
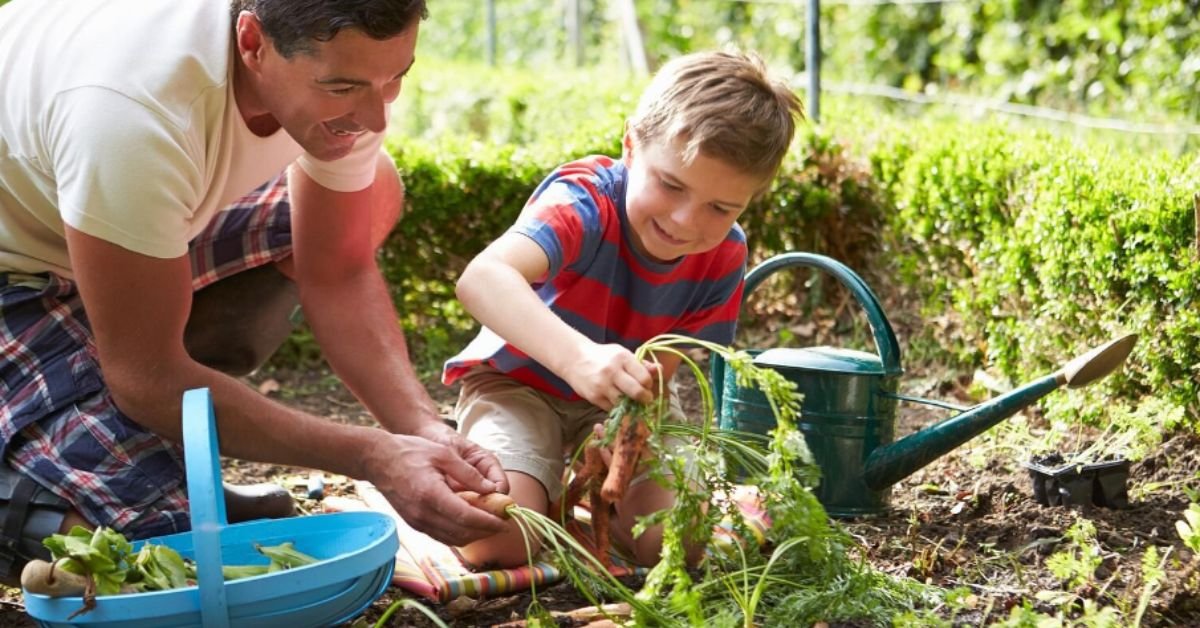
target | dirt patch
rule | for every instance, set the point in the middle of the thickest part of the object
(968, 519)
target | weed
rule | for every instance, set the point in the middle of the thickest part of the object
(1076, 565)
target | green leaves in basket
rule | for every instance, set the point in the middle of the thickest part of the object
(107, 557)
(284, 556)
(160, 568)
(103, 554)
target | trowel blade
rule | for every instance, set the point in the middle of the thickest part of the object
(1098, 362)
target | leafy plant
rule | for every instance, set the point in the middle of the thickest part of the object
(1076, 565)
(108, 565)
(808, 574)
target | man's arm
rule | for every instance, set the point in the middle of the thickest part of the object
(346, 300)
(347, 303)
(137, 307)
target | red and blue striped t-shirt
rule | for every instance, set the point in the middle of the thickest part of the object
(600, 285)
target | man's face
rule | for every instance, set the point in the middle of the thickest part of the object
(677, 209)
(327, 99)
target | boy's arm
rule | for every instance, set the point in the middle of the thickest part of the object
(496, 289)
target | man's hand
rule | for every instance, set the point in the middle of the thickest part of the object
(603, 373)
(417, 474)
(482, 460)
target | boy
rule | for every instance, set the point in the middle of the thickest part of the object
(606, 255)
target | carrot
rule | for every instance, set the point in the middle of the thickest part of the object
(494, 503)
(45, 578)
(600, 525)
(627, 448)
(593, 467)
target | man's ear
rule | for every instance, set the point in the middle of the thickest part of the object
(251, 41)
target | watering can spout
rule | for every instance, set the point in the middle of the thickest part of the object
(892, 463)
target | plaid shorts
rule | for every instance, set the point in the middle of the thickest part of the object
(58, 422)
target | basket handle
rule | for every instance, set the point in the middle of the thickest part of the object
(885, 339)
(202, 458)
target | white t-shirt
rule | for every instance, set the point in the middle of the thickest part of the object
(118, 118)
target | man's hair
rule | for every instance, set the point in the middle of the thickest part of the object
(721, 104)
(294, 25)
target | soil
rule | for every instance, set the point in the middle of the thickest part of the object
(969, 519)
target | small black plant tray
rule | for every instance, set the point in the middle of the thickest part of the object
(1097, 484)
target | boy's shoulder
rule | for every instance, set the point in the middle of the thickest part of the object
(600, 166)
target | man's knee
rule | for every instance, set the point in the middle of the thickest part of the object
(237, 323)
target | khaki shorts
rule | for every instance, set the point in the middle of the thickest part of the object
(528, 430)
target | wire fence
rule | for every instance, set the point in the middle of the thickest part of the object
(623, 14)
(1011, 108)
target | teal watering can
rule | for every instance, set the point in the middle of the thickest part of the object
(848, 415)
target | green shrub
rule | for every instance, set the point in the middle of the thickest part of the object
(1043, 248)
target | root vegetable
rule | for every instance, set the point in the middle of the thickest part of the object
(627, 448)
(44, 578)
(494, 503)
(600, 525)
(589, 473)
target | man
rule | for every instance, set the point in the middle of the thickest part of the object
(135, 140)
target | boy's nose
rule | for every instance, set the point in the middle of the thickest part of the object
(684, 216)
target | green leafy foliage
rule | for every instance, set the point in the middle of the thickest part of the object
(804, 573)
(103, 554)
(1189, 528)
(1043, 249)
(1130, 58)
(1076, 564)
(108, 559)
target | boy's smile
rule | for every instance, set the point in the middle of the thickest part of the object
(675, 208)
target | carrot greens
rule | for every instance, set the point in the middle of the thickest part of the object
(806, 570)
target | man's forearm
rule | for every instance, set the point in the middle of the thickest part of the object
(356, 325)
(249, 425)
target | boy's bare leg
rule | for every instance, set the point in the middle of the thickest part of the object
(507, 549)
(642, 499)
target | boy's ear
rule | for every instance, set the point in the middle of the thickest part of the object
(627, 142)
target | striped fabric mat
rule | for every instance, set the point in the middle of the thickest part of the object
(430, 569)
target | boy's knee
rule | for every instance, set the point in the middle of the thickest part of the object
(508, 548)
(501, 551)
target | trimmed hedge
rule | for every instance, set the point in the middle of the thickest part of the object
(1043, 248)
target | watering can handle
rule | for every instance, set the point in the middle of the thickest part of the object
(885, 339)
(207, 505)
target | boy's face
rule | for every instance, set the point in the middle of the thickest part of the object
(678, 209)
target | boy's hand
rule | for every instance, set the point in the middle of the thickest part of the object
(605, 372)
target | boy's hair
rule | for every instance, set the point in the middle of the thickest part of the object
(293, 25)
(724, 105)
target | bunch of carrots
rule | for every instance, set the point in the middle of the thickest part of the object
(605, 484)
